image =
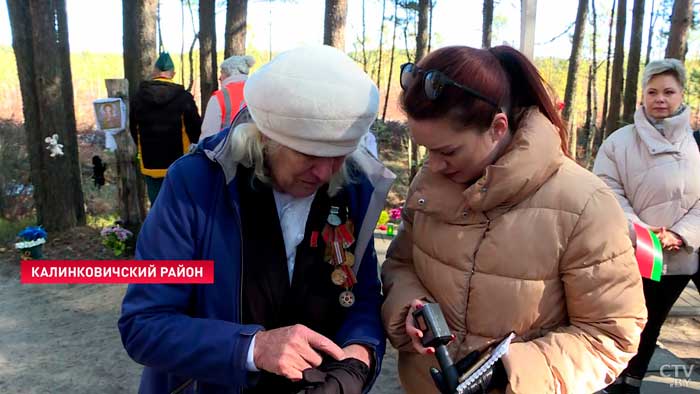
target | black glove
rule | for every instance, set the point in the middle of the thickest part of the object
(336, 377)
(494, 378)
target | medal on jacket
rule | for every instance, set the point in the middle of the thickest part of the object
(347, 298)
(333, 218)
(338, 238)
(338, 277)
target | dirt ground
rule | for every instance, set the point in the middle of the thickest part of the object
(681, 336)
(62, 338)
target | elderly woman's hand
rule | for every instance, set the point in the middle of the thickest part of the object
(670, 240)
(413, 332)
(287, 351)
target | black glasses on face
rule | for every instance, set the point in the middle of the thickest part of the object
(434, 82)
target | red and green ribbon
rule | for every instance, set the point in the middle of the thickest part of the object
(649, 253)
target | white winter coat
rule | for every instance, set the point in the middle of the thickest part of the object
(655, 174)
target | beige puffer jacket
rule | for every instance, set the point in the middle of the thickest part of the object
(538, 246)
(656, 178)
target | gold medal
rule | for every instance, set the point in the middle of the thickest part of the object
(349, 259)
(347, 299)
(338, 277)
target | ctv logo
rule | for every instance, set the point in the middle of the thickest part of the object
(680, 373)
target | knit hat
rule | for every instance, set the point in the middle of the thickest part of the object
(236, 65)
(165, 62)
(315, 100)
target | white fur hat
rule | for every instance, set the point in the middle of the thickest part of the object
(315, 100)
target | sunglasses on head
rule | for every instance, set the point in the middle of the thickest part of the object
(434, 82)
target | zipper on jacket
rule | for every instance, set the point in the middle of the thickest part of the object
(179, 389)
(469, 285)
(240, 278)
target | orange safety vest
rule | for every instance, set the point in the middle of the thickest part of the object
(231, 101)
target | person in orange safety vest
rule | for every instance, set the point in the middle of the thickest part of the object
(225, 103)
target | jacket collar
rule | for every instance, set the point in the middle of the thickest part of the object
(675, 129)
(234, 79)
(532, 157)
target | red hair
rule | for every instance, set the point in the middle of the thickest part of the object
(500, 73)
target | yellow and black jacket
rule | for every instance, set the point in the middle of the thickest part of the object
(163, 122)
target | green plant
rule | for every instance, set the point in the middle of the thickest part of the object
(115, 238)
(10, 228)
(101, 221)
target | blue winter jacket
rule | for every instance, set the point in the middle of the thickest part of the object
(190, 335)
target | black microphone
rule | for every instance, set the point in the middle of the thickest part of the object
(430, 320)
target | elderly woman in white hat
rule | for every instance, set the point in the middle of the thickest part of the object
(285, 205)
(652, 166)
(225, 103)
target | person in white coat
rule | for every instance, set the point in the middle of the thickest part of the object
(652, 166)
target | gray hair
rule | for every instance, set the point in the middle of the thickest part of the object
(666, 66)
(235, 65)
(250, 149)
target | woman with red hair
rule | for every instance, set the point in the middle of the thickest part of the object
(508, 234)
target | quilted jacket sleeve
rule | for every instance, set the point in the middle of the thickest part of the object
(401, 283)
(688, 227)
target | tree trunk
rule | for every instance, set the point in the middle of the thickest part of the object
(182, 43)
(40, 28)
(574, 59)
(650, 36)
(405, 35)
(422, 33)
(593, 82)
(528, 14)
(190, 59)
(421, 44)
(132, 190)
(612, 122)
(430, 25)
(207, 51)
(589, 96)
(391, 60)
(334, 23)
(139, 24)
(633, 61)
(589, 125)
(364, 38)
(159, 36)
(236, 20)
(381, 43)
(487, 24)
(681, 19)
(599, 136)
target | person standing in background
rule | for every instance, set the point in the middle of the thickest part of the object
(225, 103)
(652, 165)
(163, 122)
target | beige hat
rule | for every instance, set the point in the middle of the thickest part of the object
(315, 100)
